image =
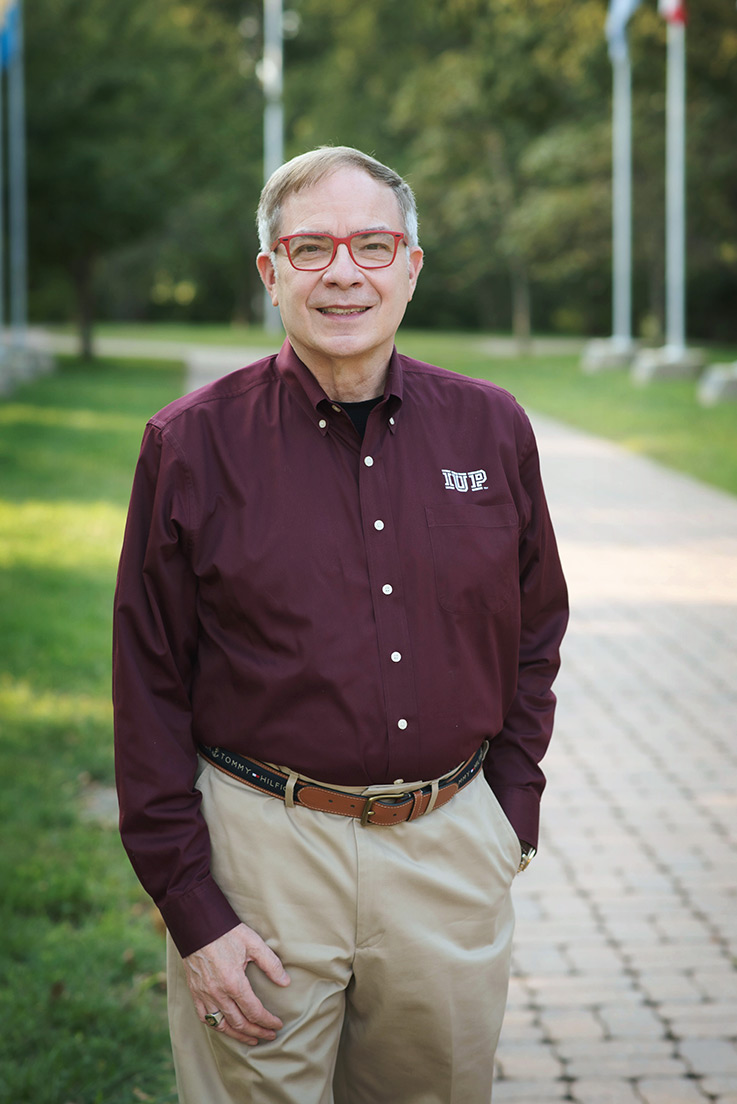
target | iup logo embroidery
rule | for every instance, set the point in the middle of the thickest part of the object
(463, 481)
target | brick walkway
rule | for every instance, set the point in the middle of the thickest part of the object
(624, 987)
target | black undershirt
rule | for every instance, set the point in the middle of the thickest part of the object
(358, 412)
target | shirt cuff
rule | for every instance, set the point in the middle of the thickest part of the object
(522, 808)
(197, 918)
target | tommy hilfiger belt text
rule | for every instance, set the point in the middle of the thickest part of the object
(381, 809)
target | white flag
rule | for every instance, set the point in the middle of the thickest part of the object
(620, 12)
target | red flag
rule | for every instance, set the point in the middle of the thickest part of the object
(673, 10)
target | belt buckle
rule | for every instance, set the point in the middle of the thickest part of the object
(369, 806)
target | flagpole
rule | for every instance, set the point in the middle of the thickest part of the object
(675, 192)
(273, 84)
(622, 203)
(17, 190)
(2, 222)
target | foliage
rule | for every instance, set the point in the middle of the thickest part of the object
(497, 110)
(129, 110)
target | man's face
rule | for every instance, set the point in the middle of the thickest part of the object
(344, 314)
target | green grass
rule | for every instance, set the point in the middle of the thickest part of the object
(204, 333)
(81, 990)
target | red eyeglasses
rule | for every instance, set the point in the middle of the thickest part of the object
(368, 249)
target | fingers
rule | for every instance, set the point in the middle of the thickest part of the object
(268, 961)
(217, 979)
(237, 1026)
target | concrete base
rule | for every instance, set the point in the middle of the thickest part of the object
(718, 384)
(207, 364)
(19, 365)
(667, 363)
(607, 355)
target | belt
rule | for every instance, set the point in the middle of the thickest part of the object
(381, 809)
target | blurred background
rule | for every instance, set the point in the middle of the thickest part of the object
(144, 125)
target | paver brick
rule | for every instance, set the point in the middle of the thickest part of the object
(631, 1021)
(604, 1092)
(520, 1025)
(529, 1092)
(620, 1059)
(571, 1024)
(636, 885)
(715, 984)
(673, 986)
(531, 1062)
(720, 1087)
(668, 1091)
(709, 1056)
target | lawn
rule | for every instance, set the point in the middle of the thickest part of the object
(81, 992)
(81, 989)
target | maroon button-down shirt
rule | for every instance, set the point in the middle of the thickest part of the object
(360, 611)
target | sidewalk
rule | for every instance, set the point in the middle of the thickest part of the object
(624, 987)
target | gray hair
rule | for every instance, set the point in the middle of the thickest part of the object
(309, 168)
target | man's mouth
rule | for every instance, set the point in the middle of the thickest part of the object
(343, 310)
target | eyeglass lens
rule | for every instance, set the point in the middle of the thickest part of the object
(370, 250)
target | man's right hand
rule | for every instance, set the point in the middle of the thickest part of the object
(216, 975)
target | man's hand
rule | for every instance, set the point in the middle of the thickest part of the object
(216, 975)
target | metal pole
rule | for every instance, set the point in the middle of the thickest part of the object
(675, 190)
(2, 219)
(622, 203)
(17, 179)
(273, 82)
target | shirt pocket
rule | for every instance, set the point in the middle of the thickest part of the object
(475, 553)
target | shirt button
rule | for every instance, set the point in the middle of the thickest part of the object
(401, 723)
(336, 408)
(368, 461)
(387, 588)
(322, 423)
(391, 421)
(396, 656)
(379, 524)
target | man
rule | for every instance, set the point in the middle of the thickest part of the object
(339, 586)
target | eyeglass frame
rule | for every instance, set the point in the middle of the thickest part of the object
(398, 236)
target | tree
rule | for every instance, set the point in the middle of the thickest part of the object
(125, 102)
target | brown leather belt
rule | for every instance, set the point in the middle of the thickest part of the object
(381, 809)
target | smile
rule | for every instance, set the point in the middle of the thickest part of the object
(343, 310)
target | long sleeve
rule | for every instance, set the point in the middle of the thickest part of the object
(154, 653)
(511, 766)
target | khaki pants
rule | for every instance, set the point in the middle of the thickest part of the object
(397, 941)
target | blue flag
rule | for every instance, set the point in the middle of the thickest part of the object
(620, 12)
(8, 33)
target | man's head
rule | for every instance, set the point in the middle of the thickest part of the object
(339, 258)
(309, 169)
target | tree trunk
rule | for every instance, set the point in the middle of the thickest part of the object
(521, 311)
(82, 273)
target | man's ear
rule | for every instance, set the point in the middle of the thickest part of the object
(416, 259)
(267, 272)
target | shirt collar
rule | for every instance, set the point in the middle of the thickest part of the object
(310, 395)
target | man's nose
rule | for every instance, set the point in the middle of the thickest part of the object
(342, 267)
